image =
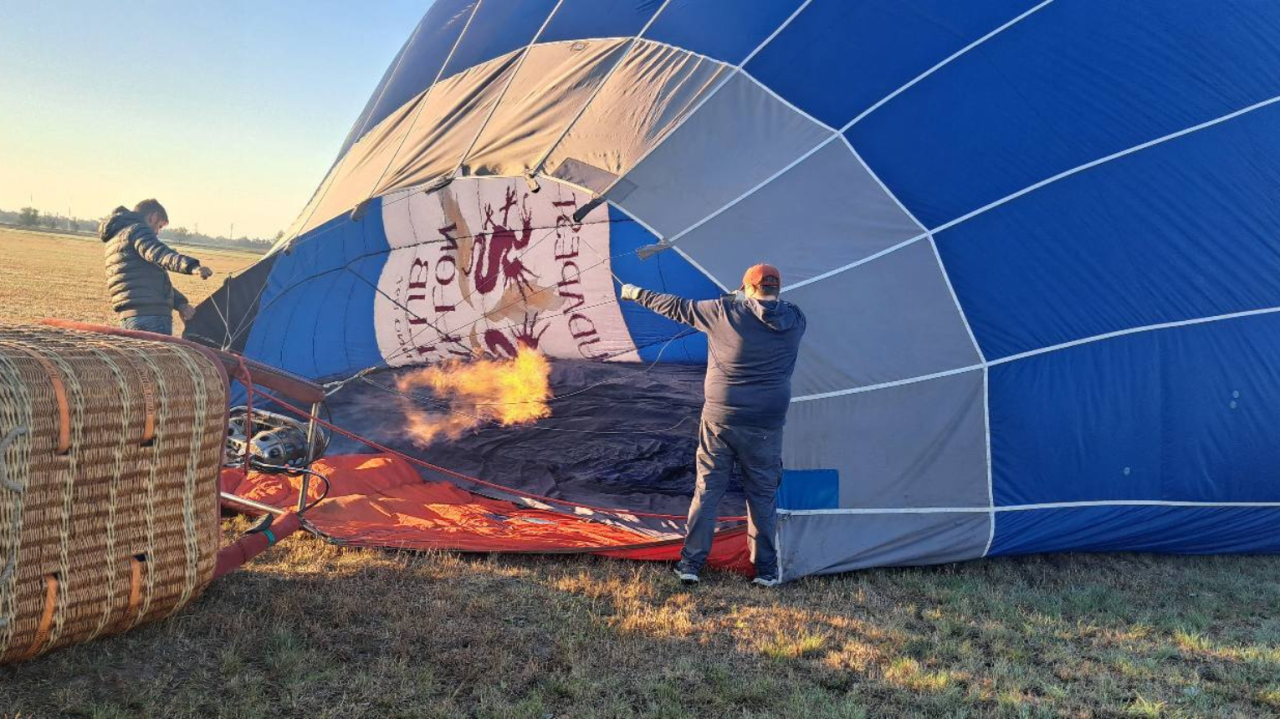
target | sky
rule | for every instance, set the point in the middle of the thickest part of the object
(228, 111)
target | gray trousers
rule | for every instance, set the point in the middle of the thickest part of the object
(758, 452)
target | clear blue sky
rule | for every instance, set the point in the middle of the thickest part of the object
(226, 110)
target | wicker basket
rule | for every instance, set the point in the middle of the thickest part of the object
(109, 456)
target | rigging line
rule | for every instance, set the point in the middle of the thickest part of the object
(292, 246)
(515, 72)
(405, 347)
(426, 96)
(241, 327)
(226, 324)
(476, 480)
(631, 44)
(336, 386)
(332, 177)
(407, 194)
(448, 408)
(839, 133)
(558, 398)
(392, 300)
(523, 297)
(541, 317)
(701, 99)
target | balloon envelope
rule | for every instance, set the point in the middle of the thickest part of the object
(1038, 245)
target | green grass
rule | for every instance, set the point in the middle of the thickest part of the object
(313, 630)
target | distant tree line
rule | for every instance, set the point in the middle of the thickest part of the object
(253, 244)
(35, 219)
(32, 218)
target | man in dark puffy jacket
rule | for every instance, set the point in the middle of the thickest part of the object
(138, 264)
(752, 342)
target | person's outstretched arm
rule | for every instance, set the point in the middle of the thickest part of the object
(698, 314)
(153, 250)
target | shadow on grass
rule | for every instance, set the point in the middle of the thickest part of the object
(314, 630)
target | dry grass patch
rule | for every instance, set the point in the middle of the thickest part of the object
(314, 630)
(49, 275)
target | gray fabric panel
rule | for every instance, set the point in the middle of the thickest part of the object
(652, 89)
(914, 445)
(738, 138)
(448, 123)
(831, 543)
(552, 85)
(825, 212)
(890, 319)
(416, 144)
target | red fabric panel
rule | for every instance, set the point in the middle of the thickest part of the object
(379, 500)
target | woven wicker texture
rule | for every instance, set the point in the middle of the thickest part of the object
(109, 455)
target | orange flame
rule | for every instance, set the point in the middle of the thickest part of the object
(507, 391)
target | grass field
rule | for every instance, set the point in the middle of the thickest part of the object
(46, 275)
(313, 630)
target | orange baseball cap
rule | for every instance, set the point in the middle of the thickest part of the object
(762, 274)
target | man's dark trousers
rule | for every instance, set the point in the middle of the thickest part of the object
(160, 324)
(758, 452)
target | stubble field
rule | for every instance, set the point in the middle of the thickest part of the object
(314, 630)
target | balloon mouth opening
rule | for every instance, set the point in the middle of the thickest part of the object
(615, 435)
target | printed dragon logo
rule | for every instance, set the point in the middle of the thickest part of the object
(483, 268)
(496, 247)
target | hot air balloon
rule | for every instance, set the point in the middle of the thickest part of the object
(1038, 244)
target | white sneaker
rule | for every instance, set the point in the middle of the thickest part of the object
(763, 582)
(686, 577)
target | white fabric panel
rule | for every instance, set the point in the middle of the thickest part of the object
(890, 319)
(439, 132)
(550, 88)
(739, 137)
(914, 445)
(484, 266)
(833, 543)
(824, 213)
(653, 89)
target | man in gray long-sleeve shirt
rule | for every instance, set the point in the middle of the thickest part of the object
(752, 342)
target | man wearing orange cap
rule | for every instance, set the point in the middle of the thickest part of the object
(752, 340)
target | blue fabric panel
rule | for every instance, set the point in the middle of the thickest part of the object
(498, 28)
(316, 316)
(664, 272)
(1181, 414)
(727, 30)
(584, 19)
(416, 66)
(809, 489)
(837, 58)
(1186, 229)
(1184, 530)
(1069, 84)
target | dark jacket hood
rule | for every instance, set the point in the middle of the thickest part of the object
(777, 315)
(120, 218)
